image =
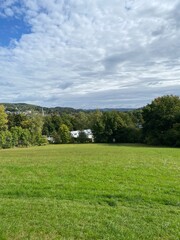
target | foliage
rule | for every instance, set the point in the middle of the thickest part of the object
(16, 120)
(116, 127)
(56, 137)
(157, 123)
(64, 133)
(48, 126)
(22, 130)
(5, 139)
(21, 137)
(80, 121)
(161, 121)
(3, 118)
(82, 138)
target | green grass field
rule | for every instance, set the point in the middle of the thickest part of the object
(90, 191)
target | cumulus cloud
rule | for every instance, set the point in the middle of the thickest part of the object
(91, 53)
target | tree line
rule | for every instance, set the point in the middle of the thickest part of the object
(158, 123)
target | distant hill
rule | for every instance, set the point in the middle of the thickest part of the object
(117, 109)
(24, 107)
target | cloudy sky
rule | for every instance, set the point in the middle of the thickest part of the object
(89, 53)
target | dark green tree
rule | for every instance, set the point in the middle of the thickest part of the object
(16, 120)
(80, 121)
(82, 138)
(106, 127)
(161, 121)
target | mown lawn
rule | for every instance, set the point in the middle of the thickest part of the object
(90, 191)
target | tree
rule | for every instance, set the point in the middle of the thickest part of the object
(34, 124)
(3, 118)
(80, 121)
(21, 137)
(67, 120)
(56, 137)
(15, 131)
(64, 133)
(56, 121)
(106, 127)
(25, 138)
(16, 120)
(48, 126)
(5, 139)
(113, 122)
(98, 126)
(82, 138)
(161, 120)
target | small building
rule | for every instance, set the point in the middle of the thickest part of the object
(88, 133)
(50, 139)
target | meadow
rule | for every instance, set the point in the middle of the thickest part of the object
(90, 191)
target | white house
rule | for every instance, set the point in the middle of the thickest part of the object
(88, 132)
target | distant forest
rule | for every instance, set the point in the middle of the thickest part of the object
(24, 107)
(158, 123)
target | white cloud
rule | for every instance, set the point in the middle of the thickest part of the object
(92, 53)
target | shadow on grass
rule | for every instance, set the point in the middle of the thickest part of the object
(125, 144)
(135, 145)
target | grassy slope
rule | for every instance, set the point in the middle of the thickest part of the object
(90, 192)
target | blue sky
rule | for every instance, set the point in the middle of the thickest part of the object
(12, 29)
(89, 53)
